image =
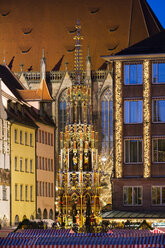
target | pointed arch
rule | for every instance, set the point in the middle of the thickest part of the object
(45, 214)
(107, 120)
(62, 110)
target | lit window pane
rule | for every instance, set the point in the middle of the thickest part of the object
(133, 112)
(127, 151)
(125, 196)
(139, 201)
(163, 195)
(155, 115)
(158, 196)
(126, 111)
(140, 150)
(133, 151)
(155, 158)
(140, 111)
(161, 111)
(161, 72)
(133, 74)
(161, 150)
(130, 195)
(140, 74)
(126, 74)
(154, 73)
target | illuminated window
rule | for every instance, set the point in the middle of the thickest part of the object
(158, 195)
(133, 151)
(158, 149)
(158, 111)
(133, 112)
(133, 74)
(107, 120)
(62, 110)
(132, 195)
(158, 73)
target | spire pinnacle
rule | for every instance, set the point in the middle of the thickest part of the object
(43, 65)
(43, 53)
(78, 67)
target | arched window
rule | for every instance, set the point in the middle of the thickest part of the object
(51, 214)
(39, 214)
(45, 214)
(62, 110)
(16, 220)
(107, 120)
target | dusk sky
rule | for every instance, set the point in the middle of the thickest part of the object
(158, 7)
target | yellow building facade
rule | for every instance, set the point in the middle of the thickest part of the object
(23, 175)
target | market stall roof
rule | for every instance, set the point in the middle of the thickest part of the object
(115, 214)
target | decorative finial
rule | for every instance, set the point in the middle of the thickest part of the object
(66, 65)
(43, 53)
(43, 65)
(78, 55)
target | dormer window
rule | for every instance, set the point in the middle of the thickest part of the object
(133, 74)
(158, 73)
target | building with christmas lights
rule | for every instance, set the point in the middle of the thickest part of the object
(139, 130)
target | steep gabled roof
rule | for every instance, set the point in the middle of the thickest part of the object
(40, 94)
(11, 81)
(151, 45)
(148, 22)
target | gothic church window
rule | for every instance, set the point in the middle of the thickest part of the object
(107, 120)
(62, 110)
